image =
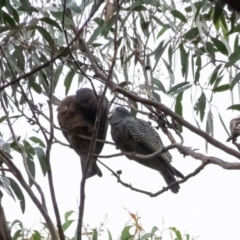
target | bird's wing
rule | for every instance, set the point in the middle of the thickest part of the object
(87, 103)
(144, 133)
(103, 126)
(71, 119)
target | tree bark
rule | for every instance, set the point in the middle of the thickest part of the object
(4, 230)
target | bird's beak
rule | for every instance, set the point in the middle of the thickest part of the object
(111, 113)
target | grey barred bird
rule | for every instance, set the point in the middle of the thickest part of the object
(76, 115)
(132, 134)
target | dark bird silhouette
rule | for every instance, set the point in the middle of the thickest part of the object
(132, 134)
(76, 115)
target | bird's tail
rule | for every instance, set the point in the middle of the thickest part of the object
(169, 172)
(93, 167)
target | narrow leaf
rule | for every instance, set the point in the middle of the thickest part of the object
(38, 141)
(220, 46)
(235, 81)
(222, 88)
(42, 159)
(68, 81)
(18, 192)
(179, 15)
(234, 107)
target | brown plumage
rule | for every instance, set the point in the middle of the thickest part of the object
(76, 114)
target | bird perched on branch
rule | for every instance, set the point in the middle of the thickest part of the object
(77, 115)
(135, 135)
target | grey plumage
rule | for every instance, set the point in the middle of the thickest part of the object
(77, 114)
(132, 134)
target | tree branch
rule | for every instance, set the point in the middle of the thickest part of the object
(194, 173)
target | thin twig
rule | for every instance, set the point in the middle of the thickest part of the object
(194, 173)
(48, 151)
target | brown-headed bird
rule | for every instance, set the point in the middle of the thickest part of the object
(132, 134)
(76, 115)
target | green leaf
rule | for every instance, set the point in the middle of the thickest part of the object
(28, 148)
(144, 25)
(170, 72)
(178, 107)
(160, 22)
(95, 235)
(67, 224)
(31, 166)
(35, 86)
(68, 81)
(170, 54)
(220, 46)
(18, 192)
(192, 33)
(234, 57)
(236, 43)
(17, 234)
(154, 229)
(15, 14)
(184, 60)
(234, 107)
(37, 140)
(36, 235)
(6, 28)
(157, 97)
(177, 233)
(5, 182)
(199, 67)
(214, 75)
(218, 10)
(159, 84)
(158, 52)
(177, 87)
(179, 15)
(201, 105)
(162, 31)
(51, 22)
(42, 159)
(2, 119)
(154, 3)
(109, 235)
(56, 76)
(84, 4)
(235, 81)
(222, 88)
(135, 5)
(126, 235)
(45, 35)
(95, 34)
(209, 123)
(210, 50)
(26, 6)
(73, 6)
(8, 19)
(146, 236)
